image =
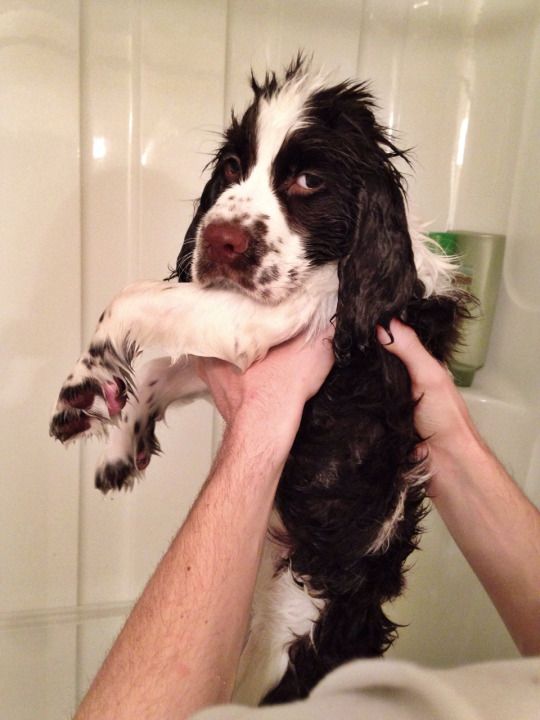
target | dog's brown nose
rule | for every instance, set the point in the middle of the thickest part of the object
(225, 241)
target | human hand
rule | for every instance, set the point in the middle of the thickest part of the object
(273, 391)
(441, 416)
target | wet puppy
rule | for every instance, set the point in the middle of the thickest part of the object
(302, 222)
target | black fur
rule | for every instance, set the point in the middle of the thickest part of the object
(355, 449)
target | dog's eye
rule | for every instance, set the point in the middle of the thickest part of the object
(305, 184)
(232, 170)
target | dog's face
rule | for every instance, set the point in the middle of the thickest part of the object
(304, 178)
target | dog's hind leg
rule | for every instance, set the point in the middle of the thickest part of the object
(282, 610)
(133, 441)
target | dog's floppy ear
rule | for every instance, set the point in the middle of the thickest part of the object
(377, 277)
(212, 190)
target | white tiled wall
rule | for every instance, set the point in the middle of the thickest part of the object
(108, 110)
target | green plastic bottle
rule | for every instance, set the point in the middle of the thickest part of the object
(481, 256)
(447, 242)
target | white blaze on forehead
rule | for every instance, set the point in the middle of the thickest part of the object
(253, 199)
(282, 114)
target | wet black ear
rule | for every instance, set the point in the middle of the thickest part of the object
(212, 190)
(377, 277)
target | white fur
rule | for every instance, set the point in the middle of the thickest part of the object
(435, 270)
(281, 612)
(247, 202)
(186, 319)
(421, 475)
(159, 383)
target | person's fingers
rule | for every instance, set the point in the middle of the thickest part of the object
(301, 355)
(404, 343)
(320, 346)
(293, 370)
(319, 363)
(301, 341)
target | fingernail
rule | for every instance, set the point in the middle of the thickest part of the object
(388, 338)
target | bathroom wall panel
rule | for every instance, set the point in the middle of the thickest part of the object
(181, 119)
(180, 108)
(506, 154)
(414, 64)
(523, 273)
(516, 336)
(110, 231)
(268, 35)
(40, 288)
(495, 115)
(152, 91)
(37, 671)
(40, 298)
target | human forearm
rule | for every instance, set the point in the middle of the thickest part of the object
(491, 520)
(496, 527)
(179, 649)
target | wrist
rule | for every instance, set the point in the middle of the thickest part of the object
(457, 460)
(262, 431)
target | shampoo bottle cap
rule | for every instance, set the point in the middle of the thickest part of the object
(447, 241)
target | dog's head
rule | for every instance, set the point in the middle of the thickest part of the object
(306, 178)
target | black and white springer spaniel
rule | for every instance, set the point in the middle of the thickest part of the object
(302, 222)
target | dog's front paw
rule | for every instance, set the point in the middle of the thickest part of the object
(117, 474)
(147, 443)
(92, 396)
(129, 451)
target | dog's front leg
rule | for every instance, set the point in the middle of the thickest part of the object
(183, 319)
(132, 442)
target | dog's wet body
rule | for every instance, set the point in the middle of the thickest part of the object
(302, 222)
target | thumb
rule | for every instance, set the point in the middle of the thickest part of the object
(403, 342)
